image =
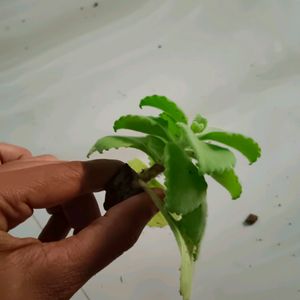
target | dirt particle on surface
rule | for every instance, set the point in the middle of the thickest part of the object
(121, 279)
(259, 240)
(159, 46)
(278, 244)
(251, 219)
(23, 20)
(121, 93)
(290, 223)
(81, 8)
(96, 4)
(279, 204)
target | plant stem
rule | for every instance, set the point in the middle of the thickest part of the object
(150, 173)
(187, 263)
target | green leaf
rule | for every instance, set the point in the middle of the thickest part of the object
(245, 145)
(211, 158)
(191, 228)
(137, 165)
(183, 182)
(143, 124)
(192, 225)
(173, 129)
(188, 234)
(151, 145)
(158, 221)
(230, 181)
(166, 105)
(187, 265)
(199, 124)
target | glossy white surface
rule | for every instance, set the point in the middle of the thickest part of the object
(66, 74)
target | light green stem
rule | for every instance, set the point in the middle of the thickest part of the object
(187, 262)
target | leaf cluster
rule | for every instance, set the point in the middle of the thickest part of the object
(188, 152)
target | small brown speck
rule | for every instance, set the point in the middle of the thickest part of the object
(121, 279)
(290, 223)
(251, 219)
(279, 205)
(159, 46)
(259, 240)
(96, 4)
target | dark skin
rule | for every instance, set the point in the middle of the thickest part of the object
(53, 266)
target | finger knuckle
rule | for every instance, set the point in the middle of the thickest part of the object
(73, 170)
(13, 211)
(48, 157)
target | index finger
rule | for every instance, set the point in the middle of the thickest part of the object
(11, 152)
(50, 185)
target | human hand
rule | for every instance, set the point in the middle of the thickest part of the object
(55, 267)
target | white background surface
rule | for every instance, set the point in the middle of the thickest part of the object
(67, 73)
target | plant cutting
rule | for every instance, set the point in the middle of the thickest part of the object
(184, 153)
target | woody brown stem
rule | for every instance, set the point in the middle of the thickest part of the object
(150, 173)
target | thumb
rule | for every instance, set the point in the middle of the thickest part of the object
(97, 245)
